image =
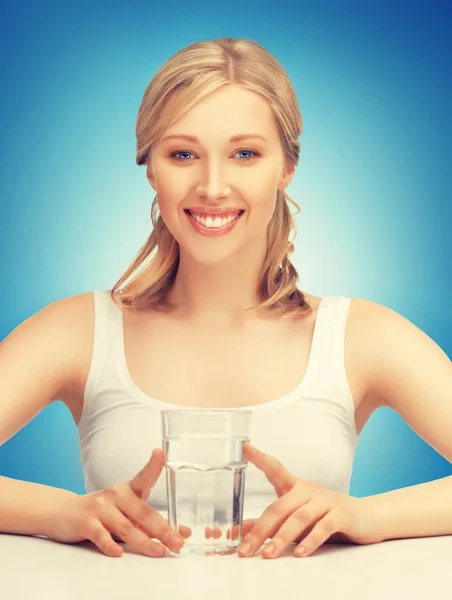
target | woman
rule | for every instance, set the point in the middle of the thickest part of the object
(209, 315)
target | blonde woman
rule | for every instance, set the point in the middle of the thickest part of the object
(209, 315)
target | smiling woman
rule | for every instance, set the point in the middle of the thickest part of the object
(244, 163)
(209, 315)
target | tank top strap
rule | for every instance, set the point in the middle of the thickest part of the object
(329, 336)
(107, 335)
(328, 351)
(339, 309)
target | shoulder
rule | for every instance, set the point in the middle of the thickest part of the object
(371, 327)
(42, 358)
(60, 317)
(76, 313)
(74, 305)
(71, 320)
(73, 314)
(49, 348)
(381, 325)
(363, 321)
(393, 352)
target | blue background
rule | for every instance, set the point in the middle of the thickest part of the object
(374, 178)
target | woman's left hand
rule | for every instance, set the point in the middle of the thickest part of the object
(305, 512)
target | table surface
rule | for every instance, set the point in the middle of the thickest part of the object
(36, 567)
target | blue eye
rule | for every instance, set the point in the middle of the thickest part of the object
(173, 154)
(249, 157)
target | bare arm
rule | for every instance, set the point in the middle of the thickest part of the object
(414, 376)
(38, 363)
(27, 508)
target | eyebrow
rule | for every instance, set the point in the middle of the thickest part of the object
(234, 138)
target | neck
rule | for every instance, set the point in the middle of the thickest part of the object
(217, 293)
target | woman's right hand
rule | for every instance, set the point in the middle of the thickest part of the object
(119, 512)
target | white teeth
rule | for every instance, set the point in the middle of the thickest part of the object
(214, 223)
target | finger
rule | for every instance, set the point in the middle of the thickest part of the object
(101, 537)
(184, 531)
(270, 521)
(145, 479)
(247, 524)
(302, 519)
(326, 527)
(149, 520)
(118, 524)
(280, 477)
(213, 532)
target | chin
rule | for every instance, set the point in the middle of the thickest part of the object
(211, 257)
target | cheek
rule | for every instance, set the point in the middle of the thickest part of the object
(170, 194)
(169, 182)
(172, 188)
(169, 213)
(263, 202)
(172, 220)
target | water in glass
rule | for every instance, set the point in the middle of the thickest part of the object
(205, 478)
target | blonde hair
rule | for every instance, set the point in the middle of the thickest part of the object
(186, 78)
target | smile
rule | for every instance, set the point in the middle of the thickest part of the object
(213, 227)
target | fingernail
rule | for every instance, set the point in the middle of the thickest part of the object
(244, 548)
(269, 549)
(300, 551)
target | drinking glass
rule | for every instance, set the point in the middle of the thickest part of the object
(205, 477)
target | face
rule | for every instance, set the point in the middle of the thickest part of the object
(216, 173)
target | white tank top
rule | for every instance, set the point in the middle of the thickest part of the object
(310, 430)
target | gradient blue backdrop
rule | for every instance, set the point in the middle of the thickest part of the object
(374, 179)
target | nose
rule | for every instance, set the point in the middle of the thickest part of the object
(212, 184)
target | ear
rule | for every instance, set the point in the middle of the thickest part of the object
(286, 177)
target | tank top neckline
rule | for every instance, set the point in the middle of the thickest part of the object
(278, 402)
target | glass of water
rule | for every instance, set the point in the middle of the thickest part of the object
(205, 476)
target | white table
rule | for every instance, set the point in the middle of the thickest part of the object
(36, 568)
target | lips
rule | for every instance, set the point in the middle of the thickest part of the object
(212, 231)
